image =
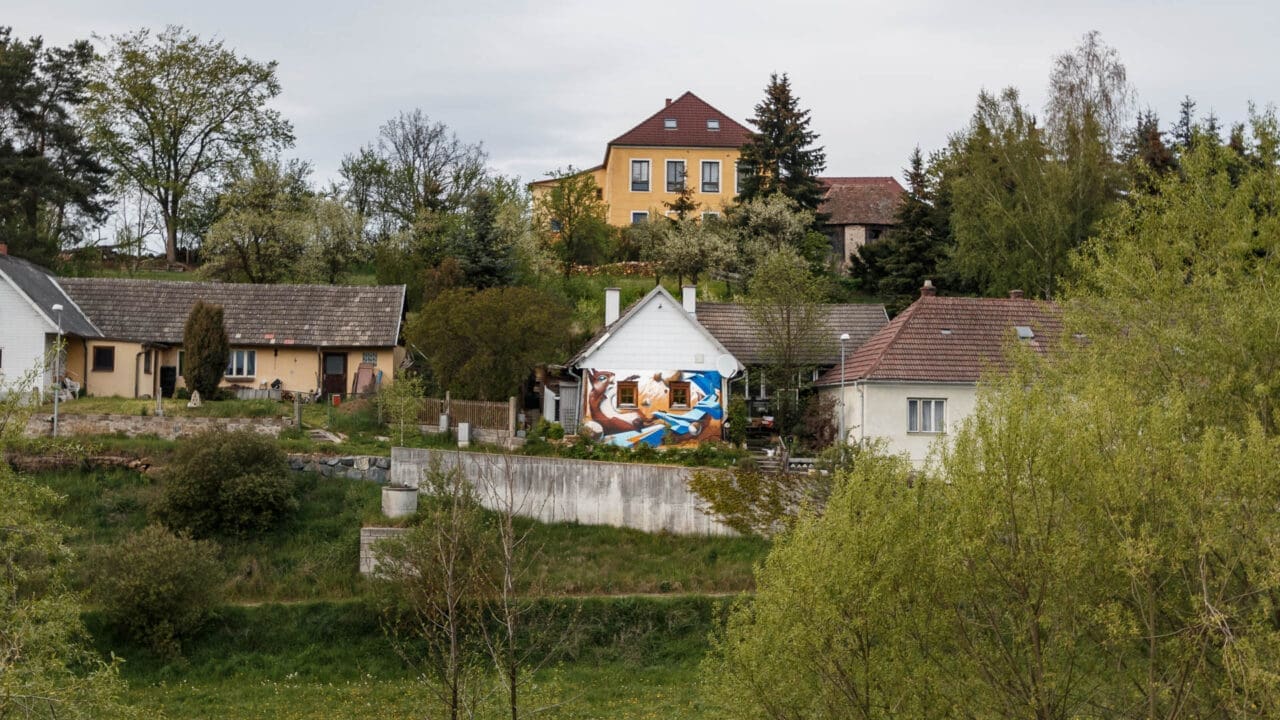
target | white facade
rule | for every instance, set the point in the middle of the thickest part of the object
(878, 410)
(657, 335)
(25, 338)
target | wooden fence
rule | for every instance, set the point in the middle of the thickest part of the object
(479, 413)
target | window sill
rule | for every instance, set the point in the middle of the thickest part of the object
(926, 432)
(238, 377)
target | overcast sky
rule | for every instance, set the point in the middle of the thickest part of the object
(546, 84)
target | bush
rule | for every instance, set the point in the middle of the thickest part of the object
(738, 421)
(207, 348)
(226, 483)
(158, 588)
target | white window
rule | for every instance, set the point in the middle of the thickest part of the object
(710, 176)
(738, 174)
(639, 176)
(242, 363)
(926, 415)
(639, 217)
(713, 124)
(669, 124)
(675, 176)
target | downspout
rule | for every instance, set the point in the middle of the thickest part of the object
(137, 372)
(84, 382)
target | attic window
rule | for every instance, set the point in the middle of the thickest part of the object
(1024, 332)
(669, 124)
(946, 331)
(713, 124)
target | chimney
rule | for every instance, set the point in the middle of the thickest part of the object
(668, 102)
(612, 305)
(4, 248)
(1015, 294)
(689, 298)
(928, 290)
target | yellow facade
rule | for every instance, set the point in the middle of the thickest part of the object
(298, 369)
(623, 201)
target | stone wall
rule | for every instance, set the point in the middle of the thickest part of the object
(370, 468)
(653, 498)
(169, 428)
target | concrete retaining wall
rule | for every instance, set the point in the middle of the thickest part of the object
(369, 536)
(169, 428)
(653, 498)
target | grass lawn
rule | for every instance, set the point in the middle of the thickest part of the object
(315, 553)
(626, 658)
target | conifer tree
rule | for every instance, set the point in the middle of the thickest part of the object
(780, 157)
(684, 205)
(206, 348)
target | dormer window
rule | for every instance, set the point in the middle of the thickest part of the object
(713, 124)
(669, 124)
(1024, 332)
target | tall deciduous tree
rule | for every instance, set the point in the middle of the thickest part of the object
(172, 111)
(50, 175)
(781, 156)
(573, 220)
(494, 337)
(206, 348)
(265, 223)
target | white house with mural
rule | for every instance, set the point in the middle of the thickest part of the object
(917, 379)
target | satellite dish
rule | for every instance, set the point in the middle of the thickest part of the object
(727, 365)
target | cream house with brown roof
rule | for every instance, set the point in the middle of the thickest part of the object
(300, 338)
(916, 379)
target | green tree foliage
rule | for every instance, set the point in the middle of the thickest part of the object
(226, 483)
(1147, 152)
(572, 220)
(433, 581)
(400, 403)
(334, 241)
(785, 302)
(158, 588)
(51, 180)
(483, 344)
(684, 249)
(206, 348)
(48, 667)
(780, 156)
(767, 224)
(265, 223)
(486, 250)
(911, 252)
(683, 205)
(173, 112)
(1096, 540)
(1024, 195)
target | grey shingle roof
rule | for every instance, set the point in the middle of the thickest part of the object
(44, 290)
(303, 315)
(733, 326)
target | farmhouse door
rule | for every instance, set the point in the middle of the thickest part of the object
(335, 374)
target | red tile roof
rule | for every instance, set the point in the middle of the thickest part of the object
(691, 114)
(861, 200)
(949, 339)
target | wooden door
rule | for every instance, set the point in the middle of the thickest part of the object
(334, 372)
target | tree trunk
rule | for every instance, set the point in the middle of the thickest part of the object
(171, 237)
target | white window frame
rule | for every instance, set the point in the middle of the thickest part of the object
(737, 177)
(702, 183)
(631, 179)
(670, 123)
(927, 416)
(643, 214)
(241, 363)
(713, 124)
(666, 173)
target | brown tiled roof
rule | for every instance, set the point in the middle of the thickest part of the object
(691, 114)
(733, 326)
(949, 339)
(861, 200)
(302, 315)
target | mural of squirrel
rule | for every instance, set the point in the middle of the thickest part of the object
(604, 413)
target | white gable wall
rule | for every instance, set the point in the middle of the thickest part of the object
(878, 411)
(659, 336)
(23, 336)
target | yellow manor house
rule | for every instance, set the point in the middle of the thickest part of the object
(686, 142)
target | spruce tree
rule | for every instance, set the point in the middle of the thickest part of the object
(684, 205)
(206, 348)
(781, 156)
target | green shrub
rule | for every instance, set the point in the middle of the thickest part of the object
(738, 421)
(158, 588)
(226, 483)
(206, 348)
